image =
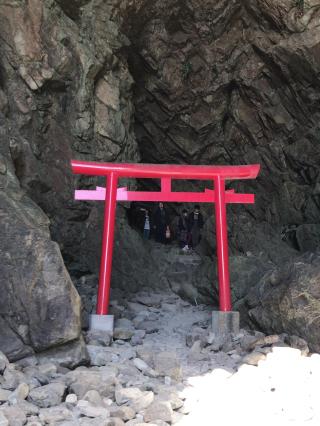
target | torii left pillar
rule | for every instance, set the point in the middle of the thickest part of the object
(101, 320)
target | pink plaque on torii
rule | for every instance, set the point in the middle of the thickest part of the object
(166, 173)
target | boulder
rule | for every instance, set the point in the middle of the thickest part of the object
(54, 415)
(48, 395)
(159, 410)
(3, 362)
(123, 329)
(15, 416)
(82, 380)
(167, 364)
(308, 237)
(138, 400)
(287, 300)
(40, 307)
(19, 394)
(3, 419)
(69, 355)
(87, 409)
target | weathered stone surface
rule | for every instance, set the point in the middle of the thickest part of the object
(71, 398)
(124, 395)
(12, 378)
(54, 414)
(123, 329)
(3, 419)
(100, 355)
(308, 237)
(4, 395)
(69, 355)
(144, 368)
(61, 83)
(48, 395)
(15, 416)
(159, 410)
(167, 364)
(254, 358)
(3, 362)
(207, 102)
(89, 410)
(28, 408)
(40, 321)
(287, 300)
(98, 338)
(136, 399)
(93, 397)
(137, 338)
(123, 412)
(80, 381)
(20, 393)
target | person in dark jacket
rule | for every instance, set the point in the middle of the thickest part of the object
(160, 223)
(195, 224)
(183, 230)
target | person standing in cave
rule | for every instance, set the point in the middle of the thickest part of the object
(183, 230)
(195, 224)
(146, 224)
(161, 224)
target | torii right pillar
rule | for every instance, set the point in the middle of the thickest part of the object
(225, 321)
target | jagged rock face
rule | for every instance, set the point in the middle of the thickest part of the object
(65, 92)
(229, 82)
(39, 306)
(68, 95)
(287, 300)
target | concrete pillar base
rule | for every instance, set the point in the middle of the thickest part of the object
(224, 323)
(101, 322)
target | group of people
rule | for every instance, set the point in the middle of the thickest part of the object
(188, 227)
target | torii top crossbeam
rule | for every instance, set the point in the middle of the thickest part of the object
(174, 171)
(166, 172)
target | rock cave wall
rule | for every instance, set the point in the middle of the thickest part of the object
(65, 91)
(233, 82)
(163, 81)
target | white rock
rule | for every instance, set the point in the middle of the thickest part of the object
(47, 368)
(82, 380)
(93, 397)
(100, 355)
(137, 399)
(159, 410)
(48, 395)
(167, 364)
(4, 362)
(123, 412)
(86, 409)
(123, 329)
(144, 368)
(124, 395)
(28, 408)
(3, 419)
(20, 393)
(54, 414)
(71, 399)
(15, 416)
(4, 395)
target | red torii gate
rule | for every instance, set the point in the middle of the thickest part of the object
(166, 172)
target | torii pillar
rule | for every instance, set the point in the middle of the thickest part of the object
(223, 321)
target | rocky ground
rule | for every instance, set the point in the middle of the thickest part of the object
(164, 366)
